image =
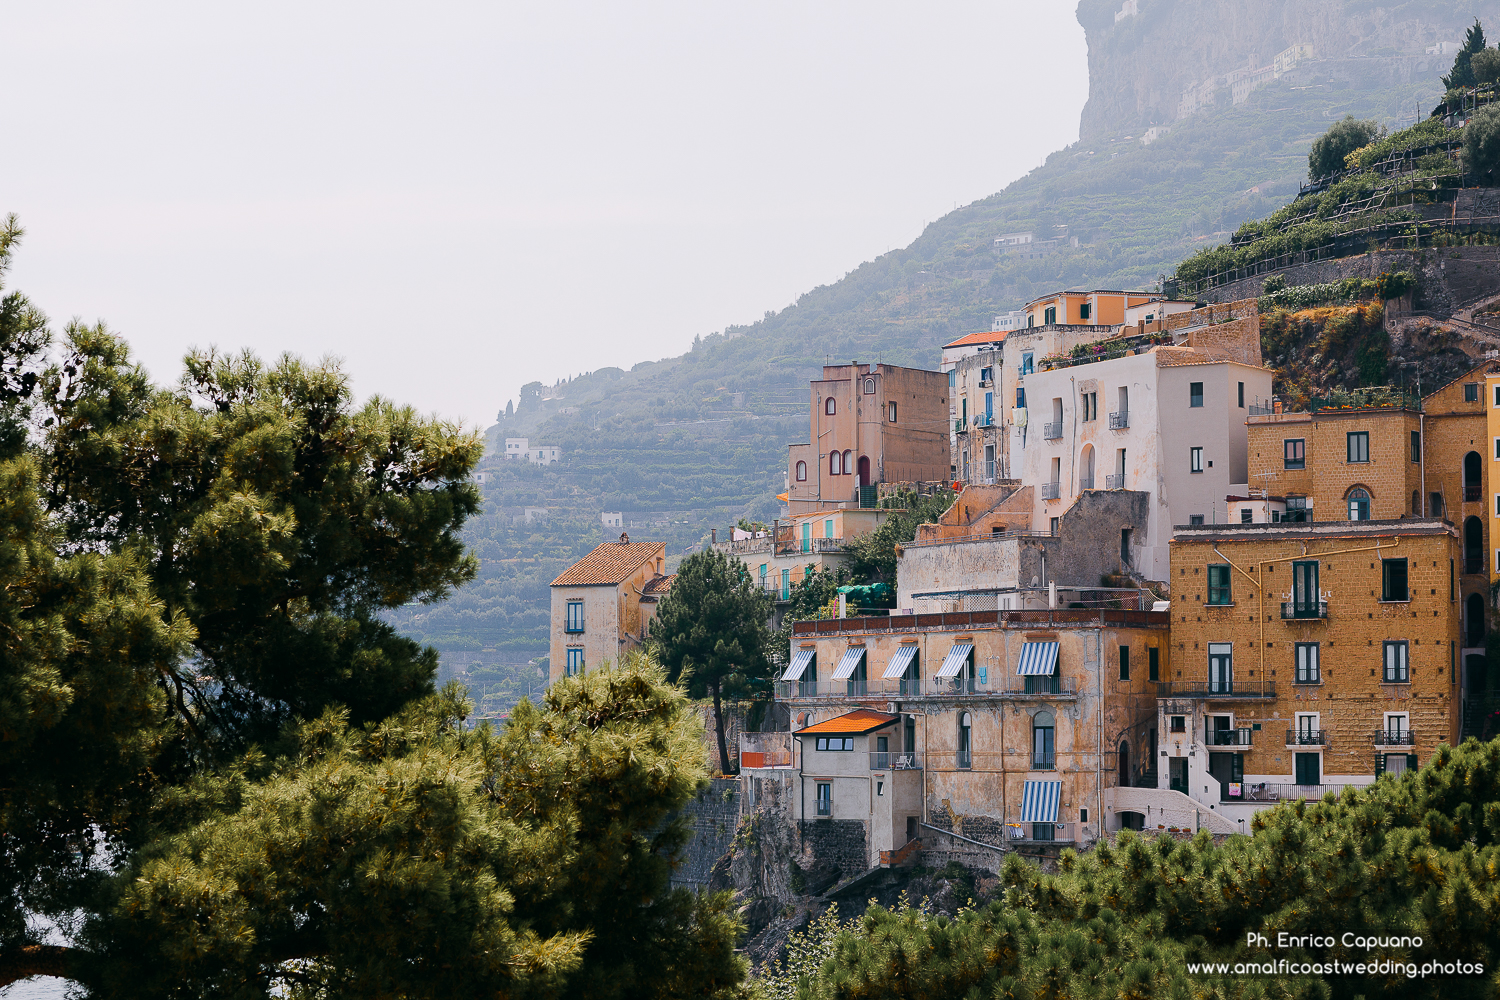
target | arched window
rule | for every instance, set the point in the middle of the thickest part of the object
(835, 463)
(1043, 744)
(848, 463)
(1359, 504)
(829, 406)
(869, 387)
(965, 740)
(801, 472)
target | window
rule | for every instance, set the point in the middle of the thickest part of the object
(829, 406)
(1416, 446)
(575, 617)
(1086, 310)
(1393, 580)
(1246, 515)
(828, 528)
(786, 584)
(1043, 747)
(965, 740)
(1195, 393)
(1397, 726)
(1218, 585)
(1307, 663)
(1471, 392)
(838, 743)
(801, 472)
(1359, 505)
(1049, 315)
(575, 662)
(835, 463)
(1124, 663)
(1020, 399)
(1497, 395)
(1052, 527)
(1153, 664)
(1194, 519)
(1179, 723)
(869, 387)
(1089, 404)
(1242, 395)
(1359, 446)
(1305, 599)
(890, 412)
(1396, 670)
(952, 377)
(848, 462)
(825, 798)
(1294, 453)
(1220, 668)
(1196, 462)
(1027, 364)
(986, 375)
(1044, 831)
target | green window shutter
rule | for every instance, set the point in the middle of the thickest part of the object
(1411, 762)
(1379, 764)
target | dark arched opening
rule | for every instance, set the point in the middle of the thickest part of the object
(1473, 484)
(1473, 545)
(1124, 764)
(864, 470)
(1474, 621)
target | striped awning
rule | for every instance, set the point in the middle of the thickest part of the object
(799, 663)
(901, 661)
(1039, 801)
(853, 657)
(1037, 658)
(956, 658)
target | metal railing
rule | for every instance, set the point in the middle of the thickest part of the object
(1229, 737)
(1212, 691)
(792, 690)
(1115, 481)
(1271, 791)
(1291, 610)
(1307, 737)
(1119, 421)
(1395, 738)
(1051, 491)
(893, 760)
(1085, 483)
(1043, 761)
(1052, 430)
(1062, 833)
(1473, 494)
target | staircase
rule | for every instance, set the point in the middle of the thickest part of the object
(869, 497)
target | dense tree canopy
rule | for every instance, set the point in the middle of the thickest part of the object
(1481, 151)
(1462, 74)
(1344, 137)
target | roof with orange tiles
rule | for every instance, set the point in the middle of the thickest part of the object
(659, 585)
(857, 722)
(982, 337)
(609, 564)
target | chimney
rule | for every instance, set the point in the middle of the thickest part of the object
(713, 536)
(624, 538)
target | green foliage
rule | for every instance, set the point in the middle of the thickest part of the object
(1482, 146)
(874, 553)
(1275, 283)
(710, 633)
(1427, 132)
(1318, 352)
(1417, 855)
(1330, 149)
(1462, 74)
(1485, 65)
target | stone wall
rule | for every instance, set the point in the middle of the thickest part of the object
(713, 815)
(841, 842)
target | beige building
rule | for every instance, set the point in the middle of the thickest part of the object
(868, 424)
(603, 604)
(781, 558)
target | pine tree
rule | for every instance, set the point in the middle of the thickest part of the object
(1462, 74)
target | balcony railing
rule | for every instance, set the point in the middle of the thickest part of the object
(790, 690)
(1473, 494)
(1052, 430)
(1271, 791)
(1247, 690)
(1043, 761)
(1395, 738)
(1051, 491)
(1086, 483)
(1307, 737)
(1292, 610)
(1229, 737)
(1115, 481)
(892, 760)
(1061, 833)
(1119, 421)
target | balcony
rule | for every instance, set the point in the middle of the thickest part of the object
(893, 761)
(1050, 833)
(1229, 737)
(1473, 494)
(958, 427)
(1307, 737)
(1249, 691)
(1051, 491)
(1086, 483)
(800, 690)
(1052, 430)
(1271, 791)
(1115, 481)
(1395, 738)
(1293, 610)
(1043, 761)
(1119, 421)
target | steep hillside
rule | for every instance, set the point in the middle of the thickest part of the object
(698, 441)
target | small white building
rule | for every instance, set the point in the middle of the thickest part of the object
(612, 519)
(516, 448)
(520, 449)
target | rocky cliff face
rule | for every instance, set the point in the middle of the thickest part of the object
(1152, 62)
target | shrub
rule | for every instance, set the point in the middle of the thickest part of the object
(1274, 283)
(1330, 149)
(1482, 145)
(1486, 65)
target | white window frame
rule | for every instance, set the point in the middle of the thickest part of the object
(1315, 662)
(1195, 460)
(1403, 675)
(801, 472)
(1405, 726)
(1307, 722)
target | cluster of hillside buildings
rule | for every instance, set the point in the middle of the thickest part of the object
(1159, 600)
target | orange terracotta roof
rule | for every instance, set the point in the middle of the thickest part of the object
(610, 563)
(660, 585)
(859, 721)
(983, 337)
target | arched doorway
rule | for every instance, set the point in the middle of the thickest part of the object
(1473, 484)
(1473, 545)
(1124, 764)
(1474, 621)
(864, 470)
(1086, 468)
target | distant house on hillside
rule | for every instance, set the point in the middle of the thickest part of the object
(520, 449)
(603, 604)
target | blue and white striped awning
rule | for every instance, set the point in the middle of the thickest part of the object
(1039, 801)
(853, 657)
(955, 660)
(799, 663)
(901, 661)
(1037, 658)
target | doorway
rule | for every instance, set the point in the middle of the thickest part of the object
(1229, 769)
(1474, 621)
(1177, 774)
(864, 470)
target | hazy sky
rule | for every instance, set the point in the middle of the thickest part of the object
(460, 198)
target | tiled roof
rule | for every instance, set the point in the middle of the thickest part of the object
(983, 337)
(610, 563)
(859, 721)
(660, 585)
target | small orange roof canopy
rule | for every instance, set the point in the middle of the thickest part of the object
(859, 721)
(982, 337)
